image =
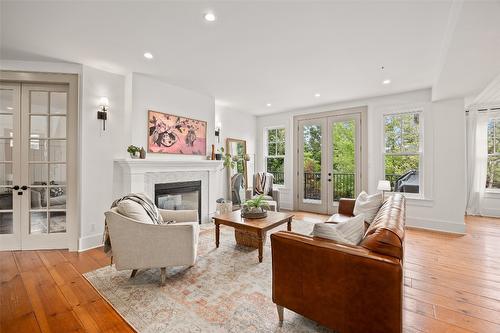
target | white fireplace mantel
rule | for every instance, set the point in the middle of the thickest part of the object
(136, 175)
(136, 166)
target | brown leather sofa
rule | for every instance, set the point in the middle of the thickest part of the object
(345, 288)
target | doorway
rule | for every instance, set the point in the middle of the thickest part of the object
(330, 161)
(37, 173)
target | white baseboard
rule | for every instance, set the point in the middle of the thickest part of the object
(436, 225)
(490, 212)
(89, 242)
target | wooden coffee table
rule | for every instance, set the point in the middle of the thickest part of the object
(251, 232)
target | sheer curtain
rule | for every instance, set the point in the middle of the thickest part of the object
(477, 158)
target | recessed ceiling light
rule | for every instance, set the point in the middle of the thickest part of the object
(317, 95)
(148, 55)
(210, 17)
(10, 108)
(386, 81)
(268, 104)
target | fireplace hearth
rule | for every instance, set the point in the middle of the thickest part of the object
(179, 196)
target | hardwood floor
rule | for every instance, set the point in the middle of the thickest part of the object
(452, 284)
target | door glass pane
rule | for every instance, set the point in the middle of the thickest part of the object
(57, 174)
(6, 223)
(58, 101)
(6, 174)
(6, 125)
(6, 100)
(38, 222)
(312, 164)
(344, 159)
(38, 174)
(39, 102)
(5, 198)
(58, 127)
(57, 198)
(39, 126)
(57, 222)
(58, 150)
(38, 197)
(38, 150)
(6, 146)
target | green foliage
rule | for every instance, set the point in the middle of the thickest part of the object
(257, 202)
(493, 163)
(133, 149)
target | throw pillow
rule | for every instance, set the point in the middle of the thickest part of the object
(349, 232)
(134, 211)
(368, 205)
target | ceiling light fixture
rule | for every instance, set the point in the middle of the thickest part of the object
(210, 17)
(386, 81)
(317, 95)
(148, 55)
(268, 104)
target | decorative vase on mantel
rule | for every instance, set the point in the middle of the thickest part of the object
(135, 155)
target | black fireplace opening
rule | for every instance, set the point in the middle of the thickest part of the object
(179, 196)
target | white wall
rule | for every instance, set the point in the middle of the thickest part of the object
(236, 125)
(149, 93)
(98, 149)
(443, 204)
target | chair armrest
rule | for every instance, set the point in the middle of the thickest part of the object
(276, 197)
(248, 194)
(328, 282)
(346, 206)
(179, 215)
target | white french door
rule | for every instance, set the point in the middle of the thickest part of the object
(329, 155)
(33, 160)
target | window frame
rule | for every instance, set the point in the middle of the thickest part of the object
(266, 152)
(496, 118)
(420, 153)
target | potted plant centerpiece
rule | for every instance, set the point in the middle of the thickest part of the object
(255, 208)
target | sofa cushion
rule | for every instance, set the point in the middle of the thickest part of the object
(134, 211)
(338, 218)
(386, 233)
(368, 205)
(348, 232)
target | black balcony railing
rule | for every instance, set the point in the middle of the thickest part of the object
(343, 184)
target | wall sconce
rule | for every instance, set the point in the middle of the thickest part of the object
(102, 111)
(217, 132)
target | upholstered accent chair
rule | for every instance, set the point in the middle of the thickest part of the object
(273, 195)
(138, 245)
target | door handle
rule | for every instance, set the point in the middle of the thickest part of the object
(15, 187)
(24, 187)
(329, 179)
(329, 174)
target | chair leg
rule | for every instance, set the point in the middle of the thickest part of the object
(163, 276)
(134, 272)
(280, 313)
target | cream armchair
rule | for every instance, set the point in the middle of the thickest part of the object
(138, 245)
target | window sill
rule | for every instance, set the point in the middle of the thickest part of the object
(415, 199)
(492, 194)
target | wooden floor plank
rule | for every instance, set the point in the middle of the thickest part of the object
(452, 284)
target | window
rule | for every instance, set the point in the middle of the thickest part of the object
(403, 151)
(493, 164)
(275, 154)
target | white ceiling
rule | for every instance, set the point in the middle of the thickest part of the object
(266, 52)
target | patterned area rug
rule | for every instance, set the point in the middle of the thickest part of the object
(226, 291)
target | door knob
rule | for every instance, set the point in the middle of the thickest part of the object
(24, 187)
(16, 187)
(329, 179)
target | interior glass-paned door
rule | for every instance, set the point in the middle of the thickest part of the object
(44, 164)
(10, 228)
